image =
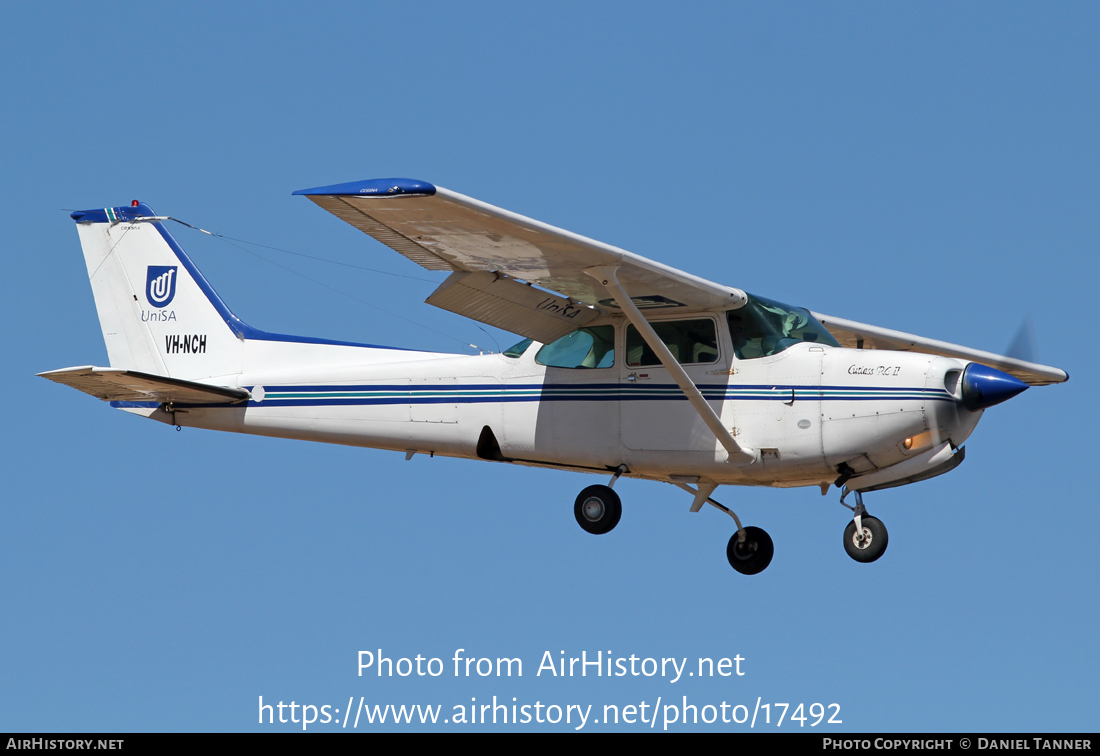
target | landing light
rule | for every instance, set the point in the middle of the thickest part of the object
(917, 442)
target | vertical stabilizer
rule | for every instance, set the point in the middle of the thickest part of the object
(158, 314)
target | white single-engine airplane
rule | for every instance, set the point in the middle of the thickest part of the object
(628, 367)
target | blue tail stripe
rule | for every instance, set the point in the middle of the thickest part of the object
(236, 325)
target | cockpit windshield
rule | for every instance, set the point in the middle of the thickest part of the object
(763, 327)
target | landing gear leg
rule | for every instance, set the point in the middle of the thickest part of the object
(865, 538)
(750, 549)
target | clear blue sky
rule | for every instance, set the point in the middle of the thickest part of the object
(928, 167)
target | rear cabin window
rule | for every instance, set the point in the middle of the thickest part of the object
(690, 341)
(584, 348)
(763, 327)
(516, 350)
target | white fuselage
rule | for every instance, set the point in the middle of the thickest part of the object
(805, 411)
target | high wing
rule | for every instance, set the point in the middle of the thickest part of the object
(505, 267)
(115, 385)
(494, 254)
(862, 336)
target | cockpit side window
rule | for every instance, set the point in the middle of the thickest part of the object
(690, 341)
(764, 327)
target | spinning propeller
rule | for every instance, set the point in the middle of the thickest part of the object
(1023, 345)
(984, 386)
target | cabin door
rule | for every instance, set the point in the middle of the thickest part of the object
(654, 413)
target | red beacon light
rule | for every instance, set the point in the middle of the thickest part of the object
(134, 203)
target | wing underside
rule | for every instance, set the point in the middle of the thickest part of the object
(443, 230)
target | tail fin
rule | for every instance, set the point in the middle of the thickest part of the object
(158, 314)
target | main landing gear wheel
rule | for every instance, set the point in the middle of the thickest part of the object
(752, 556)
(598, 509)
(868, 545)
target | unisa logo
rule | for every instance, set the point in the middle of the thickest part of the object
(161, 285)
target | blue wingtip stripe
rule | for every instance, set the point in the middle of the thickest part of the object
(385, 187)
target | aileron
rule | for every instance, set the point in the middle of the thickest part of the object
(352, 213)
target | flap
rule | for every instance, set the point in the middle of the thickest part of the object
(114, 385)
(506, 303)
(862, 336)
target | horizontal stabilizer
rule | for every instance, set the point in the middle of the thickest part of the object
(506, 303)
(115, 385)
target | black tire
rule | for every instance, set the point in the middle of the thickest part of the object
(867, 550)
(754, 555)
(598, 509)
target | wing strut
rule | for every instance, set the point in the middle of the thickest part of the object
(738, 455)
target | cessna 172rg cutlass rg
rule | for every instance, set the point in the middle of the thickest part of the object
(628, 367)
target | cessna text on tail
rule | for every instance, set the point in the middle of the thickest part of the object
(627, 366)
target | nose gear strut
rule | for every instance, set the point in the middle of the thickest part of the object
(865, 537)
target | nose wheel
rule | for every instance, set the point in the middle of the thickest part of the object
(868, 542)
(865, 537)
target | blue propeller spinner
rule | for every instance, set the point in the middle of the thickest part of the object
(985, 386)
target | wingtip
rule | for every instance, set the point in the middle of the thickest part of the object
(384, 187)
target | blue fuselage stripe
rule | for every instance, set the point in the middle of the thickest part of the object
(482, 393)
